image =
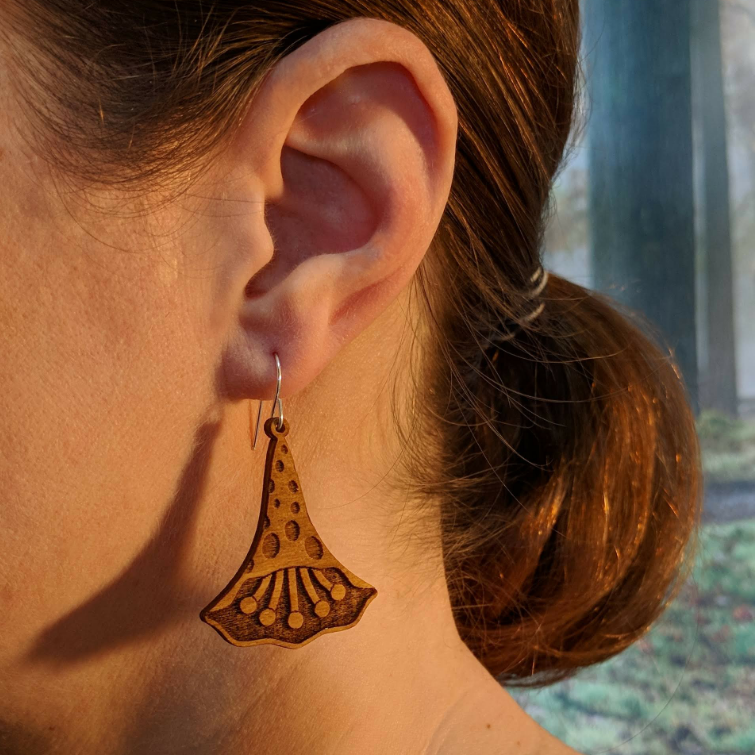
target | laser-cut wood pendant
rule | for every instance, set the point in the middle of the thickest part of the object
(290, 587)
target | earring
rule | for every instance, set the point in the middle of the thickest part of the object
(290, 587)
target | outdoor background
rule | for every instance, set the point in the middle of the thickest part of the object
(657, 207)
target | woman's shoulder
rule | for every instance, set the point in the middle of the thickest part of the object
(507, 741)
(553, 746)
(523, 740)
(488, 721)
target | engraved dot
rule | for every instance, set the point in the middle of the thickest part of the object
(322, 609)
(293, 486)
(284, 449)
(267, 617)
(267, 522)
(277, 502)
(292, 530)
(271, 545)
(279, 465)
(270, 486)
(338, 592)
(248, 605)
(295, 508)
(313, 547)
(295, 620)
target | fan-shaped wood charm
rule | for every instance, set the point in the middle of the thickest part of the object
(290, 588)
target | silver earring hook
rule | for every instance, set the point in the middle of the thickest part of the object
(277, 400)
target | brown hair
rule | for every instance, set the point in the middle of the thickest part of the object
(567, 462)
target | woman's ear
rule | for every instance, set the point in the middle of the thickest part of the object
(349, 145)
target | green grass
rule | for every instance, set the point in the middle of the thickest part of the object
(689, 685)
(728, 447)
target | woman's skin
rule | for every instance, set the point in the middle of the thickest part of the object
(130, 352)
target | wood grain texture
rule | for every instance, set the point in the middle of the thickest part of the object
(290, 587)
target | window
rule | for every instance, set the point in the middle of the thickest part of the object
(657, 207)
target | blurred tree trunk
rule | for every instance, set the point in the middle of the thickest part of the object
(642, 210)
(710, 108)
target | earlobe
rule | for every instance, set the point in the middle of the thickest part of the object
(355, 136)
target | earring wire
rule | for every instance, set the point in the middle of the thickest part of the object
(277, 400)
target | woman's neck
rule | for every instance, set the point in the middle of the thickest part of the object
(138, 672)
(395, 683)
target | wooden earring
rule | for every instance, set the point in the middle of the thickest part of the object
(290, 587)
